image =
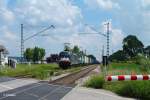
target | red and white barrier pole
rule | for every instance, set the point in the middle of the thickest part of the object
(127, 77)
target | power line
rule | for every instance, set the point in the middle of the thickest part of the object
(97, 32)
(23, 40)
(105, 35)
(52, 26)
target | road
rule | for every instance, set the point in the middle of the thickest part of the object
(82, 93)
(31, 89)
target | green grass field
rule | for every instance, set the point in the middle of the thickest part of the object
(38, 71)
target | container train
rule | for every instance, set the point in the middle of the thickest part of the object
(66, 59)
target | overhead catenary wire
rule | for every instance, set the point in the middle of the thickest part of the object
(96, 32)
(23, 40)
(52, 26)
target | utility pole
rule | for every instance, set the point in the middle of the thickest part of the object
(24, 40)
(107, 25)
(22, 43)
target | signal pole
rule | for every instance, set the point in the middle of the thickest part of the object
(22, 43)
(103, 51)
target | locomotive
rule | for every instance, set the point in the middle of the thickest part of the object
(66, 59)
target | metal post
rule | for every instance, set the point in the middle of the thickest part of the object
(103, 51)
(107, 39)
(107, 57)
(22, 43)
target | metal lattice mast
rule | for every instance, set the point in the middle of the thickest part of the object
(22, 43)
(107, 39)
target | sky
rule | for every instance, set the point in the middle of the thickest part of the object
(71, 18)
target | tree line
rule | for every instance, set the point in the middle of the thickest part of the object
(34, 54)
(132, 46)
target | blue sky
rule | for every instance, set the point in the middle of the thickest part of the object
(69, 17)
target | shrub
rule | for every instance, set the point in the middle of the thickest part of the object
(143, 61)
(136, 89)
(95, 82)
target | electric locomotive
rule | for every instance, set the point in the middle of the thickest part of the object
(64, 61)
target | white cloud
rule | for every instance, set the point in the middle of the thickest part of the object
(117, 38)
(6, 14)
(62, 13)
(59, 12)
(7, 34)
(146, 3)
(104, 4)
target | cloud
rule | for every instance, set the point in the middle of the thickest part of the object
(6, 15)
(127, 17)
(7, 34)
(145, 3)
(117, 38)
(104, 4)
(62, 13)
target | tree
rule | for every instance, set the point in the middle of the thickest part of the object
(42, 53)
(67, 48)
(132, 46)
(76, 50)
(36, 54)
(28, 54)
(118, 56)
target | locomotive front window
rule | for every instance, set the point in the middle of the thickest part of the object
(64, 55)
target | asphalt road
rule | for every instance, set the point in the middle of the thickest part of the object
(35, 91)
(5, 79)
(30, 89)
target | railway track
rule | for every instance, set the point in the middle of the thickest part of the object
(70, 79)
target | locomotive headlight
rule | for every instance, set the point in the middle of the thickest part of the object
(64, 59)
(67, 59)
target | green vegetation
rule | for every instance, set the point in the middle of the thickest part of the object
(124, 69)
(132, 46)
(135, 89)
(132, 59)
(118, 56)
(144, 63)
(34, 54)
(95, 82)
(38, 71)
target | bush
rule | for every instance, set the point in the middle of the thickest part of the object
(95, 82)
(136, 89)
(144, 62)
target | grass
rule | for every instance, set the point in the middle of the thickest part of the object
(125, 69)
(38, 71)
(136, 89)
(95, 82)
